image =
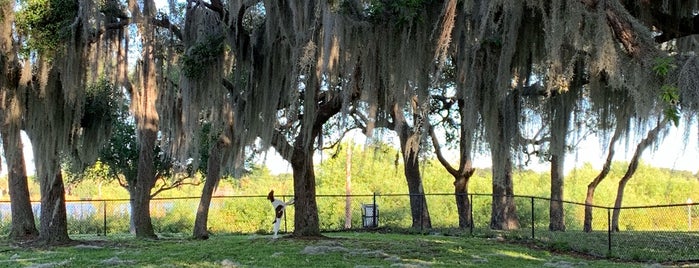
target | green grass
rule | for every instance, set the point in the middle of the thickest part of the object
(345, 249)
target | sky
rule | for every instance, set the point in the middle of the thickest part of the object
(673, 153)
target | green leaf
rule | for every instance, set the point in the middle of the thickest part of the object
(664, 65)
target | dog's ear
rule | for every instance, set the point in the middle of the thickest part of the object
(270, 196)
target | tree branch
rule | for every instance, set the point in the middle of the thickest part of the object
(165, 23)
(681, 28)
(438, 152)
(621, 27)
(337, 141)
(281, 145)
(674, 23)
(123, 184)
(168, 186)
(624, 32)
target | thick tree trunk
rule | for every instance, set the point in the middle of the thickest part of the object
(300, 154)
(410, 148)
(11, 109)
(49, 109)
(418, 203)
(306, 223)
(53, 228)
(144, 100)
(23, 225)
(145, 181)
(633, 166)
(503, 211)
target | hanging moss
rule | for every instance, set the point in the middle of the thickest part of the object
(254, 17)
(401, 12)
(100, 104)
(111, 9)
(199, 55)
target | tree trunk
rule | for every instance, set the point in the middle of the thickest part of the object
(633, 166)
(145, 181)
(556, 220)
(11, 109)
(49, 112)
(463, 205)
(418, 203)
(410, 147)
(561, 108)
(53, 228)
(503, 212)
(461, 176)
(589, 198)
(213, 176)
(144, 101)
(306, 223)
(300, 154)
(23, 225)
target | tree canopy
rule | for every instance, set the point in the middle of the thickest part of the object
(267, 73)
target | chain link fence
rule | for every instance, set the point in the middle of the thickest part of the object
(645, 233)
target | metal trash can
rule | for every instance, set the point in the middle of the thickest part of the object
(370, 215)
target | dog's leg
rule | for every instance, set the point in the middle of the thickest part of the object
(277, 222)
(278, 212)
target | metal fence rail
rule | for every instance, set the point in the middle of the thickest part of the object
(666, 232)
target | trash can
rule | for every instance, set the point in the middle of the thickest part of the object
(370, 216)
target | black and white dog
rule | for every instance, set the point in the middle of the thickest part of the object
(279, 207)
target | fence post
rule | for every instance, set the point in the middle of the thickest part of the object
(470, 211)
(689, 214)
(422, 207)
(375, 214)
(284, 200)
(609, 231)
(532, 199)
(104, 216)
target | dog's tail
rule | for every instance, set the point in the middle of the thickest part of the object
(290, 202)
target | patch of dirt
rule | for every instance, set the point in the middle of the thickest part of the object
(116, 261)
(229, 264)
(35, 244)
(50, 265)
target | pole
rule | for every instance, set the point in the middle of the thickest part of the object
(375, 223)
(284, 200)
(609, 231)
(689, 214)
(470, 211)
(422, 212)
(104, 216)
(348, 187)
(532, 199)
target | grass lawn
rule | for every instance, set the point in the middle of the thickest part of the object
(345, 249)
